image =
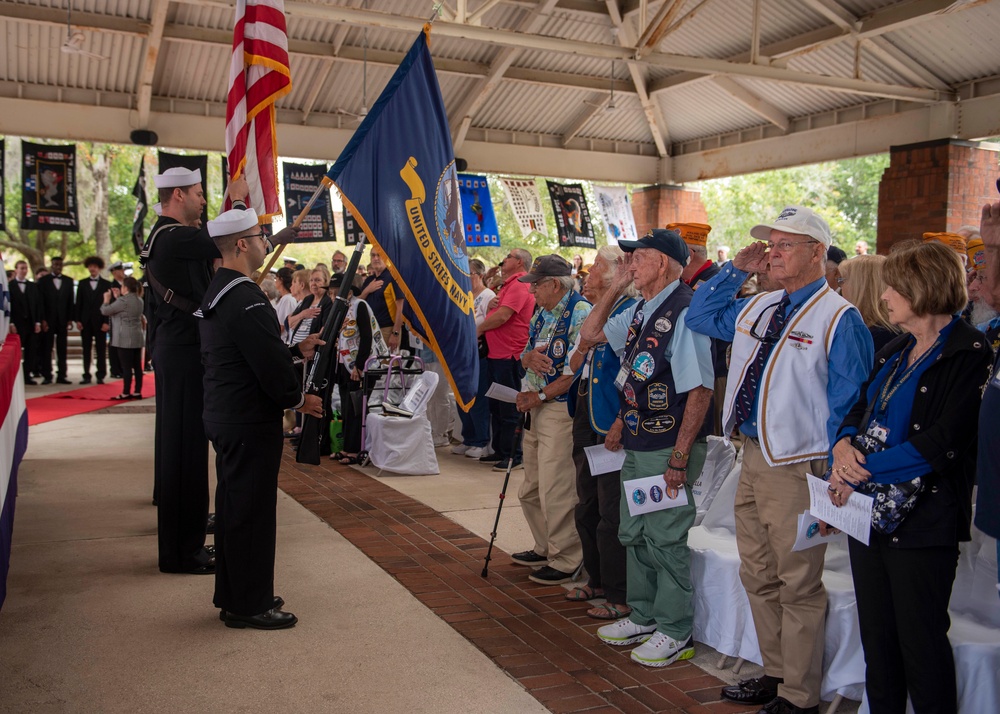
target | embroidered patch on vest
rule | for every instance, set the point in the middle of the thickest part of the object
(631, 420)
(629, 393)
(656, 394)
(643, 366)
(558, 348)
(658, 424)
(663, 325)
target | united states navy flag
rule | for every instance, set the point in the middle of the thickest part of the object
(397, 177)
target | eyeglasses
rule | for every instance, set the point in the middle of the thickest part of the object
(786, 245)
(765, 338)
(841, 281)
(263, 234)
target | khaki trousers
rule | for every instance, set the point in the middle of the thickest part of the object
(548, 493)
(785, 589)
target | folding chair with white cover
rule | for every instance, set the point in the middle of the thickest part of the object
(405, 444)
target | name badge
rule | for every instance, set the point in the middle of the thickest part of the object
(622, 376)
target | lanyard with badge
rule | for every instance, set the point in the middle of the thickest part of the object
(877, 434)
(634, 333)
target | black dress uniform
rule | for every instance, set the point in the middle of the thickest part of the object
(180, 259)
(57, 311)
(89, 298)
(249, 382)
(25, 313)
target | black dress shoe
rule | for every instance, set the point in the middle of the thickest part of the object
(47, 380)
(278, 604)
(63, 380)
(85, 380)
(273, 619)
(29, 380)
(100, 381)
(780, 705)
(759, 690)
(529, 557)
(210, 526)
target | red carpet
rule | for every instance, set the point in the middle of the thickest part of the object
(83, 400)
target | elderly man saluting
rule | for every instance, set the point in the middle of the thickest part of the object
(666, 388)
(548, 493)
(811, 351)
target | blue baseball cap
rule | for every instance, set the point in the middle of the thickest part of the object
(667, 242)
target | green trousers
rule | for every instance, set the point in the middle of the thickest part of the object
(658, 559)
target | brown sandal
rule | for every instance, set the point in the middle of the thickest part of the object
(609, 611)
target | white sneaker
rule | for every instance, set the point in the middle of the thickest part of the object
(661, 650)
(460, 449)
(625, 632)
(477, 452)
(441, 440)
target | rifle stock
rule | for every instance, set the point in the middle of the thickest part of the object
(318, 381)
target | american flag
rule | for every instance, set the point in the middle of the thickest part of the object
(259, 75)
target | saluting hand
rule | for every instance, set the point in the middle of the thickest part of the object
(752, 259)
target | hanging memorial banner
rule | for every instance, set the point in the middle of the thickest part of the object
(301, 182)
(49, 187)
(522, 194)
(352, 229)
(616, 210)
(477, 212)
(572, 215)
(198, 161)
(141, 208)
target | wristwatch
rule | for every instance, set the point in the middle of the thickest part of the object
(679, 455)
(541, 395)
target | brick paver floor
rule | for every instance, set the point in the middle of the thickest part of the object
(531, 631)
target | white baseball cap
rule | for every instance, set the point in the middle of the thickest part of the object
(799, 220)
(231, 222)
(177, 177)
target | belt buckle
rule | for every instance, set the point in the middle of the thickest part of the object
(168, 295)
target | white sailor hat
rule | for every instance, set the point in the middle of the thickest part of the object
(290, 259)
(157, 208)
(177, 177)
(117, 265)
(232, 221)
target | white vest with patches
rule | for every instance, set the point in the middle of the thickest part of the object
(349, 339)
(792, 406)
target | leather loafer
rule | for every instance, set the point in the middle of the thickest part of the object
(278, 604)
(273, 619)
(759, 690)
(780, 705)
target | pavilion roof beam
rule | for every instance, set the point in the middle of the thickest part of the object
(883, 21)
(873, 25)
(154, 39)
(654, 118)
(596, 105)
(758, 105)
(321, 78)
(476, 17)
(474, 99)
(699, 65)
(652, 35)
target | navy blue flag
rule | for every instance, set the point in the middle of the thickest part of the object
(477, 212)
(301, 182)
(397, 177)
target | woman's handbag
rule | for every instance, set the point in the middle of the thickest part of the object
(892, 502)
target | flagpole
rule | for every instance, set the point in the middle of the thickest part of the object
(325, 184)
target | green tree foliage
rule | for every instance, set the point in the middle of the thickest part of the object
(844, 192)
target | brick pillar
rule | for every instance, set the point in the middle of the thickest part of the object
(934, 186)
(656, 206)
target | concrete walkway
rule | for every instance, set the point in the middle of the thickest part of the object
(90, 625)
